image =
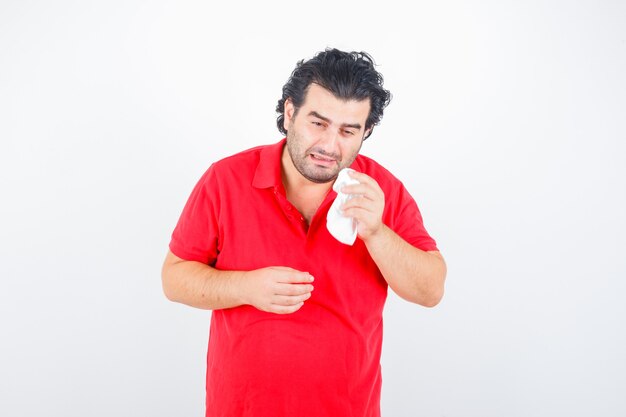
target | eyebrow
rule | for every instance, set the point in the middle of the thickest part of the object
(327, 120)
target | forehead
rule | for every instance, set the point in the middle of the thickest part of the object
(325, 103)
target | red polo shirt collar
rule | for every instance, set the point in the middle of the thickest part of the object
(267, 172)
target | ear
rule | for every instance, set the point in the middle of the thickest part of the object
(289, 112)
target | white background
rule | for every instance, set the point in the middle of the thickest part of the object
(507, 125)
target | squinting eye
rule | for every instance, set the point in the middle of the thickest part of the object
(348, 132)
(317, 123)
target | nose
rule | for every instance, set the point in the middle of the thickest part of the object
(329, 140)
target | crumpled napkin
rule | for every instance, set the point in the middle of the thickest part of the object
(341, 227)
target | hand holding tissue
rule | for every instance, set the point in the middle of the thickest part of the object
(342, 228)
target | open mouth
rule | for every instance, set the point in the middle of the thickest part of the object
(322, 160)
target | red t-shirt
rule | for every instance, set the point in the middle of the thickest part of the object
(324, 359)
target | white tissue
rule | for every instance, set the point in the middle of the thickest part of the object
(341, 227)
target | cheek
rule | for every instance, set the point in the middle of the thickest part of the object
(350, 148)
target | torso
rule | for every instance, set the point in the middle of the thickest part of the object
(323, 359)
(307, 201)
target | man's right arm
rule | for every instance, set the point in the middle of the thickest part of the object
(274, 289)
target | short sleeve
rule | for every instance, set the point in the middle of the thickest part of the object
(406, 221)
(195, 237)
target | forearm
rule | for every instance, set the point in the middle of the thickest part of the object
(201, 286)
(274, 289)
(413, 274)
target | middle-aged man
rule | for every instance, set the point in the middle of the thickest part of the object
(296, 328)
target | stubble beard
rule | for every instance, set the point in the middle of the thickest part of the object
(300, 159)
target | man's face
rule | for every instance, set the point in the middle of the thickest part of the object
(326, 133)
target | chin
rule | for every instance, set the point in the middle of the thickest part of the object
(320, 179)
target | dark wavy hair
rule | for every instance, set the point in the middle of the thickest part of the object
(348, 75)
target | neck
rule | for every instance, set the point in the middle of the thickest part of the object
(305, 195)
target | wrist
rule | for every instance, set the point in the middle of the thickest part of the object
(241, 293)
(376, 234)
(377, 237)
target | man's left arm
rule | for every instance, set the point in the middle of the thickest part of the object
(415, 275)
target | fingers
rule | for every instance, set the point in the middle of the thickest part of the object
(292, 289)
(292, 276)
(288, 301)
(291, 296)
(367, 195)
(279, 289)
(276, 309)
(360, 191)
(358, 203)
(360, 177)
(366, 205)
(367, 188)
(284, 304)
